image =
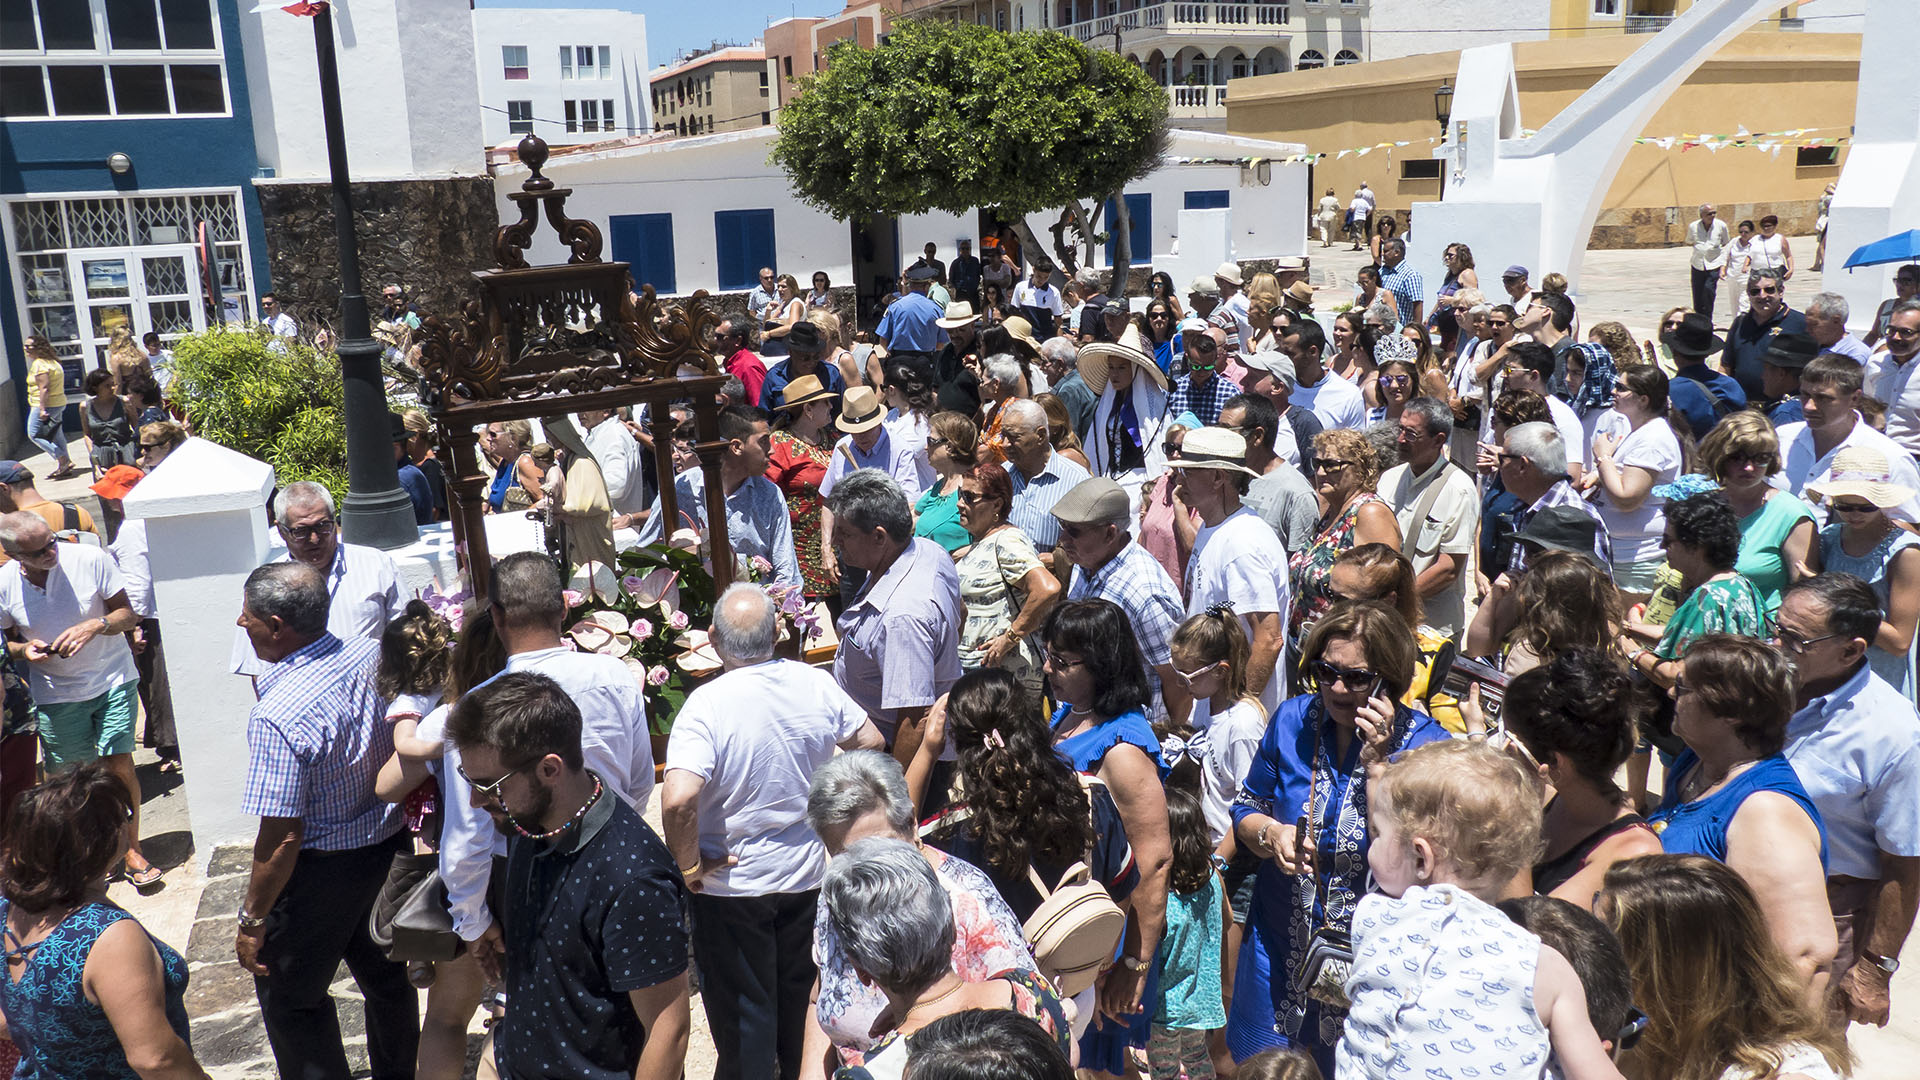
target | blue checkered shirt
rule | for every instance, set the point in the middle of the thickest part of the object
(1404, 283)
(1137, 582)
(1206, 401)
(315, 741)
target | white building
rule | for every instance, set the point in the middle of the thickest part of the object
(397, 64)
(740, 213)
(567, 75)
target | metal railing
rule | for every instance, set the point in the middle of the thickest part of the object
(1228, 18)
(1647, 24)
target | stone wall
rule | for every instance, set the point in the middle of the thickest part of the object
(733, 305)
(1647, 227)
(428, 235)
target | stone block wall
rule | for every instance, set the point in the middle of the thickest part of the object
(1647, 227)
(428, 235)
(733, 305)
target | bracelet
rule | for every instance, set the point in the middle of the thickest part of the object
(249, 921)
(687, 871)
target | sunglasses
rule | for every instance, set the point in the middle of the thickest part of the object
(1504, 740)
(1171, 448)
(1327, 676)
(1189, 676)
(491, 790)
(1763, 292)
(1056, 663)
(1498, 324)
(35, 553)
(309, 532)
(1851, 509)
(1193, 366)
(971, 497)
(1395, 380)
(1794, 641)
(1330, 465)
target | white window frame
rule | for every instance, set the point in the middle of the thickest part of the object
(606, 61)
(566, 61)
(583, 66)
(1345, 58)
(105, 57)
(1606, 9)
(606, 114)
(17, 275)
(507, 65)
(1311, 60)
(512, 120)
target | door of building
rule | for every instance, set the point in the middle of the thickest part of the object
(148, 289)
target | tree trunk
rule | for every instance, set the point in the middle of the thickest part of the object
(1122, 229)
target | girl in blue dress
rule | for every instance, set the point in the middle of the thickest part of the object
(1095, 670)
(1303, 810)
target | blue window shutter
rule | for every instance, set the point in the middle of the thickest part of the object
(646, 242)
(743, 243)
(1206, 200)
(1140, 235)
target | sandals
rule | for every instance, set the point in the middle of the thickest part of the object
(63, 472)
(146, 880)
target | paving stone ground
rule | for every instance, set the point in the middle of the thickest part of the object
(195, 911)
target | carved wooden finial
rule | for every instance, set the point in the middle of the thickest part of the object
(533, 154)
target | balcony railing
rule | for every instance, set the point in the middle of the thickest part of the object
(1647, 24)
(1220, 18)
(1191, 102)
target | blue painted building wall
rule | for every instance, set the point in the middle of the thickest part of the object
(67, 157)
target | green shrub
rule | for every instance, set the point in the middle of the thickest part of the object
(278, 401)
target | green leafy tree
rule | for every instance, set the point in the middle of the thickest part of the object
(953, 117)
(276, 400)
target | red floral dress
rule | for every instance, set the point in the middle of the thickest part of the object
(796, 467)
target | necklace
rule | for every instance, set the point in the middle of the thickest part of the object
(935, 1000)
(570, 823)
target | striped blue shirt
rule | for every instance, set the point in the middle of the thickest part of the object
(315, 741)
(1034, 497)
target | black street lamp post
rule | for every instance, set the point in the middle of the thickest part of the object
(374, 512)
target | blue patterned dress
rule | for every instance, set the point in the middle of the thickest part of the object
(1294, 765)
(62, 1035)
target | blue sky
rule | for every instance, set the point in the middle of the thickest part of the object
(676, 25)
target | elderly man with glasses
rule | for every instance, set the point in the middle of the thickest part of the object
(1744, 357)
(363, 582)
(1438, 507)
(316, 739)
(1889, 376)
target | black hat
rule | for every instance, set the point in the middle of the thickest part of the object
(1560, 528)
(1791, 351)
(1694, 337)
(804, 337)
(399, 425)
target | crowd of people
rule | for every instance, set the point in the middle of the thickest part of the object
(1218, 691)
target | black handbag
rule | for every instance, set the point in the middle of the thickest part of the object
(1322, 975)
(410, 920)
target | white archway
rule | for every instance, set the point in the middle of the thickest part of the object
(1229, 63)
(1271, 60)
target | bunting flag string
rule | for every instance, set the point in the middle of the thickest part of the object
(1766, 141)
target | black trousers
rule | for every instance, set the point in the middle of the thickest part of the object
(1706, 288)
(755, 955)
(319, 921)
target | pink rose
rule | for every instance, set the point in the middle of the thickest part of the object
(641, 628)
(573, 598)
(678, 620)
(657, 676)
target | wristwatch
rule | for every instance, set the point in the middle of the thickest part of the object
(1885, 963)
(1134, 964)
(249, 921)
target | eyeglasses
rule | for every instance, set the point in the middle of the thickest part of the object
(1903, 331)
(1792, 640)
(1056, 663)
(309, 532)
(1189, 676)
(1410, 434)
(1504, 740)
(1326, 676)
(1631, 1031)
(35, 553)
(490, 791)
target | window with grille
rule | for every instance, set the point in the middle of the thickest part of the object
(1310, 60)
(513, 61)
(101, 58)
(1345, 57)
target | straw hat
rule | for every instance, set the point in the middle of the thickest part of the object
(959, 314)
(860, 410)
(1021, 331)
(804, 390)
(1218, 448)
(1862, 471)
(1300, 293)
(1131, 346)
(1228, 272)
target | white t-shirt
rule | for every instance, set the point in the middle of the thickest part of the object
(1573, 434)
(76, 592)
(1636, 533)
(909, 433)
(1337, 402)
(1607, 421)
(1241, 560)
(1224, 746)
(756, 735)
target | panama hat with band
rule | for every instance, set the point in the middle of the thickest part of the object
(1300, 293)
(804, 390)
(1228, 272)
(959, 314)
(860, 410)
(1131, 347)
(1862, 472)
(1222, 449)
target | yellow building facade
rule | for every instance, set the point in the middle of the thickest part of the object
(1761, 82)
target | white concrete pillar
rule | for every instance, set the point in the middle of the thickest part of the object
(205, 509)
(1879, 189)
